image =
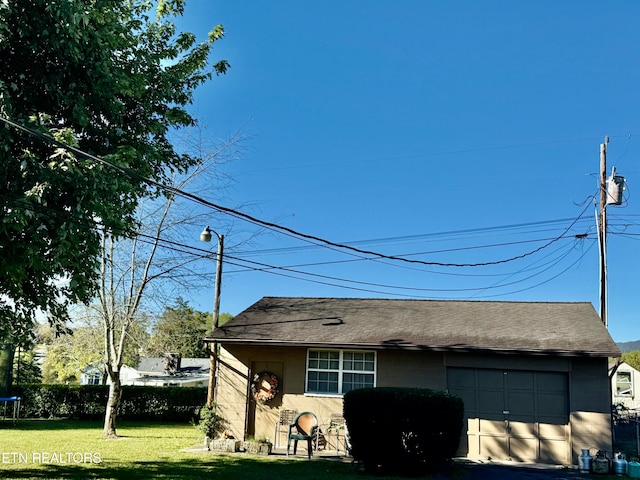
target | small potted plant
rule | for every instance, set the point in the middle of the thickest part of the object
(211, 424)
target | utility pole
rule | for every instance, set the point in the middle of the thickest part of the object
(602, 231)
(206, 236)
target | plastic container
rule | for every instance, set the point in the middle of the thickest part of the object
(633, 469)
(619, 464)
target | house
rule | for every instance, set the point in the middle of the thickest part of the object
(171, 370)
(91, 374)
(624, 383)
(533, 375)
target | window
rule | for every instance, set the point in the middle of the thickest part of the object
(337, 371)
(624, 387)
(93, 379)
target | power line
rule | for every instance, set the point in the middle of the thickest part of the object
(263, 223)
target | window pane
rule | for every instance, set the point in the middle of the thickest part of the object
(324, 360)
(363, 362)
(351, 381)
(323, 382)
(623, 384)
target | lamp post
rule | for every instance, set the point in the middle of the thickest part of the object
(206, 236)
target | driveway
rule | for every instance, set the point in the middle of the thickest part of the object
(470, 470)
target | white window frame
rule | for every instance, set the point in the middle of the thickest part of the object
(340, 370)
(628, 392)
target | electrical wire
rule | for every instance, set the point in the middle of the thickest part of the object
(263, 223)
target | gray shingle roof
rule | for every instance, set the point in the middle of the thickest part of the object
(561, 328)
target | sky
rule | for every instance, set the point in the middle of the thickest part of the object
(463, 136)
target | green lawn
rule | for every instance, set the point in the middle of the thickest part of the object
(66, 449)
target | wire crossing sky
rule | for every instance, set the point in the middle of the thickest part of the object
(455, 132)
(445, 150)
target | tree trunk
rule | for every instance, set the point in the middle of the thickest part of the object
(115, 395)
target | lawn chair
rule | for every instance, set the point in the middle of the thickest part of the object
(286, 419)
(335, 432)
(303, 427)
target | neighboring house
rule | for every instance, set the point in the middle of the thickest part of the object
(533, 375)
(624, 383)
(91, 375)
(168, 371)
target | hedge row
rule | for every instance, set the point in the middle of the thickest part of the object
(403, 430)
(88, 402)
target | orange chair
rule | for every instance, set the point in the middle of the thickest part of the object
(303, 427)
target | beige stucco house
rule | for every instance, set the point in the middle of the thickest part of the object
(533, 375)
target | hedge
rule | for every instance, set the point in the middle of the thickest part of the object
(404, 431)
(88, 402)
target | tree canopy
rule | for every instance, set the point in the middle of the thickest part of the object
(180, 329)
(112, 78)
(632, 358)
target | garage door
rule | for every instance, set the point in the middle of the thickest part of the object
(514, 415)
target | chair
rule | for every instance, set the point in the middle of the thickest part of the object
(336, 428)
(286, 419)
(303, 427)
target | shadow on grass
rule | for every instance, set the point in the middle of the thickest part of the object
(31, 424)
(227, 467)
(50, 425)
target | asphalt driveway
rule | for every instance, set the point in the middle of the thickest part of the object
(469, 470)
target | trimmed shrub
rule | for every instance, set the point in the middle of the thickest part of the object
(88, 402)
(404, 431)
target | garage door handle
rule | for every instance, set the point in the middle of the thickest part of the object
(507, 426)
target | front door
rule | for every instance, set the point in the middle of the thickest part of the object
(262, 417)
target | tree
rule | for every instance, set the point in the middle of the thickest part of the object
(70, 353)
(114, 80)
(26, 369)
(632, 358)
(180, 329)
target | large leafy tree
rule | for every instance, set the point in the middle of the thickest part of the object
(632, 358)
(181, 329)
(113, 78)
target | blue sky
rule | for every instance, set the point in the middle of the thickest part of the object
(444, 132)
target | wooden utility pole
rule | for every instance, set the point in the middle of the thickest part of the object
(602, 231)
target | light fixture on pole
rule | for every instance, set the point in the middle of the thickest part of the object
(206, 236)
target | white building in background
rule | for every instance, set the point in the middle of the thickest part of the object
(625, 381)
(168, 371)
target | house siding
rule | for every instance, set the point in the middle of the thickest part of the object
(399, 368)
(588, 388)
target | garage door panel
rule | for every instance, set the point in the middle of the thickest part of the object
(521, 415)
(552, 404)
(551, 431)
(554, 451)
(521, 380)
(495, 427)
(523, 449)
(490, 379)
(462, 377)
(551, 382)
(521, 403)
(468, 397)
(490, 401)
(523, 429)
(493, 447)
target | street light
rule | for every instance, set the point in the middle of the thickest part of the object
(206, 236)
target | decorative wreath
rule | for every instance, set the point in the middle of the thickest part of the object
(264, 387)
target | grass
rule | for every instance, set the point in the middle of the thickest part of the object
(67, 449)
